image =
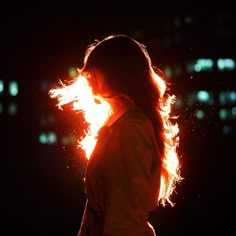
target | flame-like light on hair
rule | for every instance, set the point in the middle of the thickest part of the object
(95, 109)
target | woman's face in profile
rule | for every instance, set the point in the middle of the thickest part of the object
(96, 80)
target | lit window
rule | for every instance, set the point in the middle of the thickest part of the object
(201, 96)
(167, 71)
(227, 130)
(13, 88)
(179, 103)
(72, 72)
(69, 139)
(228, 97)
(199, 114)
(233, 110)
(12, 108)
(202, 64)
(1, 86)
(43, 138)
(225, 64)
(225, 114)
(52, 138)
(47, 138)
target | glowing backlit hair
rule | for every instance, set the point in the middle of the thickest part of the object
(159, 109)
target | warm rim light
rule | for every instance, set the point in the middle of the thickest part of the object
(95, 109)
(96, 112)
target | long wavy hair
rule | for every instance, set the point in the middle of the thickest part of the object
(128, 70)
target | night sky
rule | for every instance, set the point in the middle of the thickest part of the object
(41, 185)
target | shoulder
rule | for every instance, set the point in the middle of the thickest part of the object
(135, 122)
(134, 116)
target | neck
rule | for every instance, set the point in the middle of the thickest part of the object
(119, 102)
(119, 105)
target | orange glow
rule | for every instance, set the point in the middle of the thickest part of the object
(95, 109)
(170, 162)
(170, 171)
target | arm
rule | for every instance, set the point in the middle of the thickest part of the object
(127, 174)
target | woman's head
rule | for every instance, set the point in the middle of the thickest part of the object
(119, 65)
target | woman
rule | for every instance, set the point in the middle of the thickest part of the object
(134, 166)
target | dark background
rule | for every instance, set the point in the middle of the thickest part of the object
(41, 185)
